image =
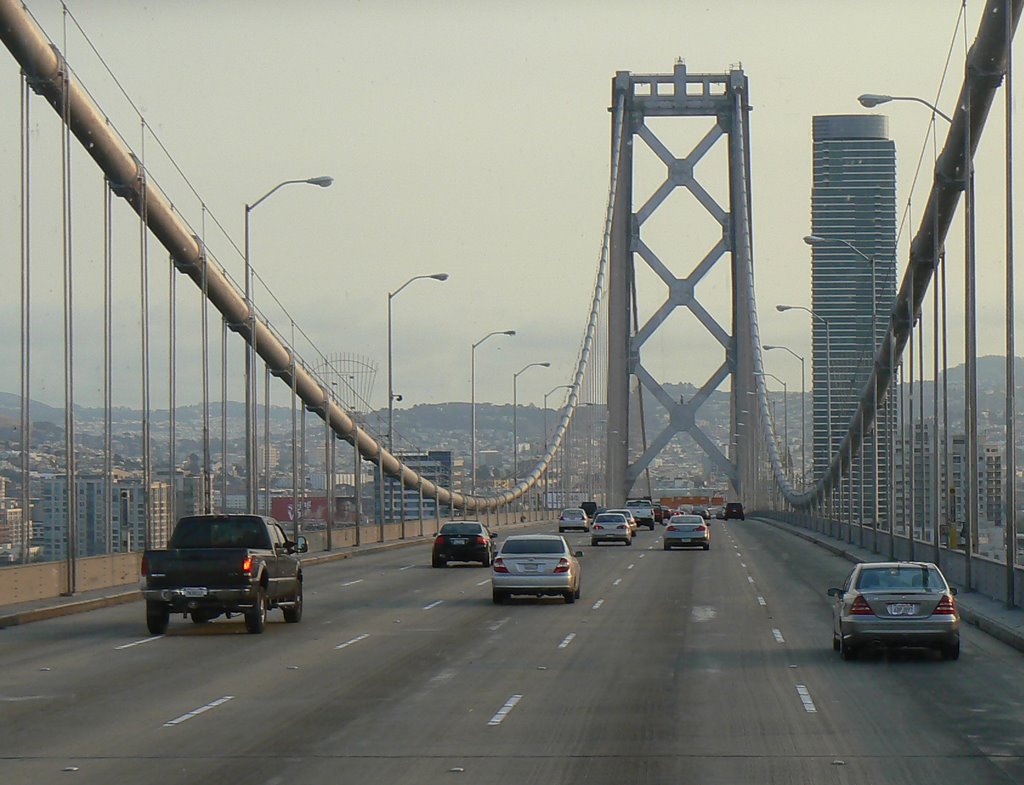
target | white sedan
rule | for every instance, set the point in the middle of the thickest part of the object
(686, 530)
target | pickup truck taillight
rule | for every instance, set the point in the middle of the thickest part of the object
(145, 566)
(247, 565)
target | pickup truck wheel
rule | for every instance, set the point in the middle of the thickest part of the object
(158, 616)
(294, 613)
(256, 618)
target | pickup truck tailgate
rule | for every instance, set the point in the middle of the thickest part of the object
(210, 567)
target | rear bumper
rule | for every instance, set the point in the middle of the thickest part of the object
(685, 540)
(219, 599)
(533, 584)
(901, 632)
(605, 537)
(462, 553)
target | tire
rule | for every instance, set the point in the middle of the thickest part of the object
(435, 562)
(629, 541)
(951, 651)
(256, 619)
(498, 597)
(707, 546)
(651, 526)
(158, 616)
(846, 651)
(487, 560)
(666, 547)
(293, 615)
(835, 642)
(570, 597)
(579, 588)
(594, 543)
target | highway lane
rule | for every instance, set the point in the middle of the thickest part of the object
(684, 666)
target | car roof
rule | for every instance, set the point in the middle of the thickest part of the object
(534, 537)
(889, 565)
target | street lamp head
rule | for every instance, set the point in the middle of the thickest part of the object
(781, 308)
(508, 332)
(324, 181)
(813, 239)
(440, 276)
(870, 100)
(768, 347)
(545, 365)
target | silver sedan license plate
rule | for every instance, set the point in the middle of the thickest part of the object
(902, 609)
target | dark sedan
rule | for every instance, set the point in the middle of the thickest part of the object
(463, 541)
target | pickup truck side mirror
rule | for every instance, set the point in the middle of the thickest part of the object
(494, 535)
(301, 546)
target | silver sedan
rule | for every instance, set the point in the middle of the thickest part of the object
(535, 564)
(686, 530)
(895, 604)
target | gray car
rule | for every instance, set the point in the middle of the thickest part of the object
(535, 564)
(611, 527)
(686, 530)
(895, 604)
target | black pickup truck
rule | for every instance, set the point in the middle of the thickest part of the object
(223, 564)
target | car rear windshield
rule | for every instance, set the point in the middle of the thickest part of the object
(533, 546)
(573, 513)
(900, 578)
(229, 531)
(611, 517)
(461, 528)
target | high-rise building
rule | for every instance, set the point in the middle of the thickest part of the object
(853, 203)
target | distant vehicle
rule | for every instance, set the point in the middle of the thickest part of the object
(223, 564)
(686, 530)
(630, 518)
(702, 512)
(538, 565)
(733, 510)
(611, 526)
(643, 511)
(463, 541)
(895, 604)
(573, 518)
(590, 508)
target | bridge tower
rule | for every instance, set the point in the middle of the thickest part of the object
(691, 97)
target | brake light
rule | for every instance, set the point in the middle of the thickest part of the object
(247, 565)
(499, 565)
(145, 566)
(439, 540)
(622, 526)
(702, 528)
(671, 529)
(860, 607)
(597, 526)
(479, 540)
(946, 607)
(563, 565)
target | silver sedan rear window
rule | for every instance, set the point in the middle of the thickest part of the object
(900, 578)
(533, 546)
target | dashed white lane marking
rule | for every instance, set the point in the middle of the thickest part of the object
(432, 605)
(743, 564)
(760, 600)
(567, 640)
(406, 567)
(352, 583)
(749, 579)
(483, 582)
(137, 643)
(494, 627)
(617, 581)
(356, 639)
(197, 712)
(805, 699)
(597, 604)
(778, 635)
(502, 713)
(630, 567)
(642, 555)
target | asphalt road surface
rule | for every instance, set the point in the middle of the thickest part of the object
(674, 667)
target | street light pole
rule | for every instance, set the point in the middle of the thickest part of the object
(515, 425)
(803, 418)
(391, 380)
(549, 392)
(472, 385)
(250, 353)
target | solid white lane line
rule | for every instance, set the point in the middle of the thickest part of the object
(617, 582)
(760, 600)
(749, 579)
(352, 583)
(567, 641)
(356, 639)
(778, 635)
(197, 712)
(502, 713)
(432, 605)
(137, 643)
(498, 624)
(483, 582)
(597, 604)
(805, 699)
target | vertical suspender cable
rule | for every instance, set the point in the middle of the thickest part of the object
(204, 329)
(24, 535)
(920, 431)
(108, 359)
(147, 469)
(223, 413)
(1010, 515)
(69, 334)
(172, 468)
(266, 439)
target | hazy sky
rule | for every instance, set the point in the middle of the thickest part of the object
(465, 137)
